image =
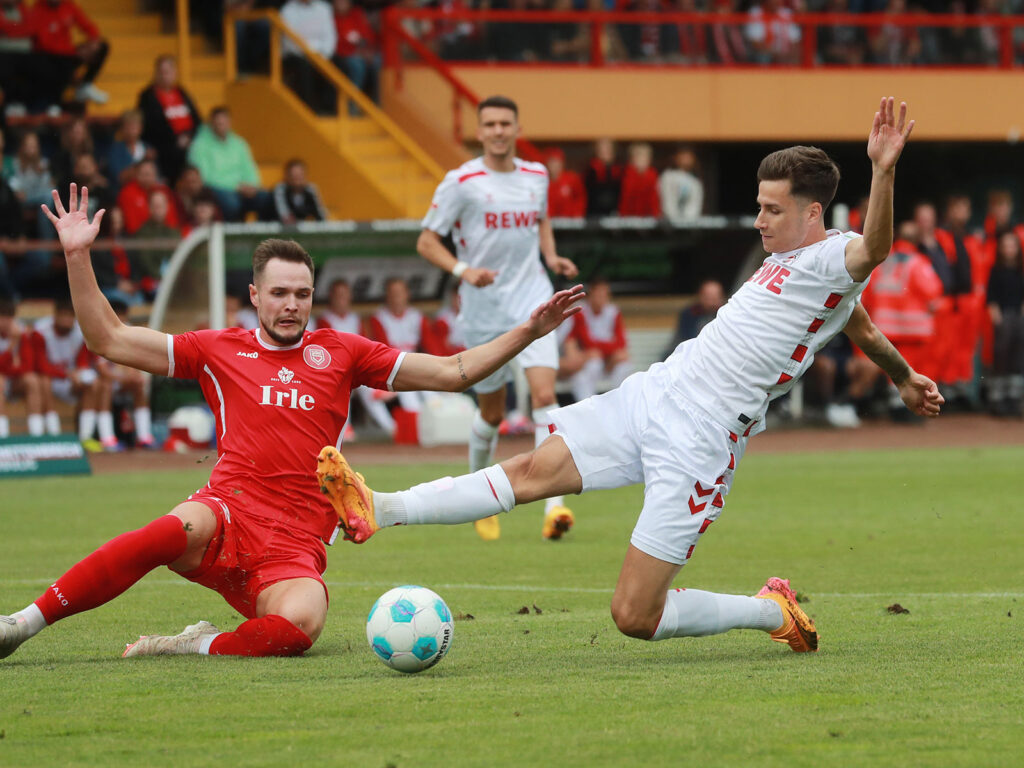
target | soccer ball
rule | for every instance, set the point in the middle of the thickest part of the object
(409, 628)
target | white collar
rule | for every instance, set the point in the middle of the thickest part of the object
(274, 348)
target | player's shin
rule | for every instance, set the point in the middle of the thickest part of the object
(267, 636)
(113, 568)
(447, 501)
(695, 613)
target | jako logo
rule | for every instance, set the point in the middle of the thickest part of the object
(60, 596)
(251, 355)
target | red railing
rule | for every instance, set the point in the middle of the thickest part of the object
(598, 23)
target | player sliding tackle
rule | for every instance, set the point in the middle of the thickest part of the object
(255, 533)
(682, 427)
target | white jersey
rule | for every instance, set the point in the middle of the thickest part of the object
(766, 336)
(60, 350)
(404, 332)
(600, 326)
(349, 323)
(493, 218)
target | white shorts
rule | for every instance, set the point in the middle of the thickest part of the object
(647, 431)
(63, 389)
(543, 353)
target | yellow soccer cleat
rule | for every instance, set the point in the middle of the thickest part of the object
(557, 522)
(489, 528)
(349, 495)
(797, 628)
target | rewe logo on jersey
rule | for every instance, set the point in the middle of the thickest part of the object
(771, 276)
(285, 376)
(510, 219)
(250, 355)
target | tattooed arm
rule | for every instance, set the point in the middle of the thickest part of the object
(919, 393)
(456, 373)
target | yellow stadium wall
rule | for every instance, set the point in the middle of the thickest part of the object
(559, 104)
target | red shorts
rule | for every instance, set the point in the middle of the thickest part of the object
(248, 553)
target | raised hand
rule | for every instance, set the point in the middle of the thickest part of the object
(921, 395)
(888, 135)
(479, 277)
(552, 312)
(73, 227)
(564, 267)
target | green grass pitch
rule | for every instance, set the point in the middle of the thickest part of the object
(938, 531)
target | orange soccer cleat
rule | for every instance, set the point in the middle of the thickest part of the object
(349, 495)
(557, 521)
(797, 628)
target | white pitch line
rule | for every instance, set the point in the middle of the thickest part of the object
(576, 590)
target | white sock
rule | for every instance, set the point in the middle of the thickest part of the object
(541, 431)
(206, 642)
(483, 440)
(105, 423)
(447, 501)
(36, 424)
(5, 427)
(143, 423)
(695, 613)
(32, 619)
(53, 422)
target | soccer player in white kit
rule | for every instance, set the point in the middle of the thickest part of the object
(495, 207)
(682, 427)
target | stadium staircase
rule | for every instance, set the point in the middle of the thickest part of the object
(136, 38)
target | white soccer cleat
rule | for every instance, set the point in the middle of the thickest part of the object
(189, 641)
(12, 634)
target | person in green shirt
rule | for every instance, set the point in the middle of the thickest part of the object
(226, 164)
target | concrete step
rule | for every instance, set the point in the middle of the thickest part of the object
(114, 25)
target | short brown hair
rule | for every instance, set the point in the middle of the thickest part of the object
(286, 250)
(7, 308)
(811, 173)
(502, 102)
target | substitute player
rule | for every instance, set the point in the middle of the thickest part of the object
(682, 427)
(255, 532)
(495, 207)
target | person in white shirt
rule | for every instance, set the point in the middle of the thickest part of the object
(601, 335)
(495, 208)
(682, 426)
(680, 189)
(313, 21)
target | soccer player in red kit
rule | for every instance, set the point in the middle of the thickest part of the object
(255, 533)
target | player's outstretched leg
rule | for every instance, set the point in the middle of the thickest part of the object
(97, 579)
(265, 636)
(189, 641)
(348, 494)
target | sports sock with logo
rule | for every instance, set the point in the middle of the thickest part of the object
(267, 636)
(483, 439)
(695, 613)
(447, 501)
(113, 568)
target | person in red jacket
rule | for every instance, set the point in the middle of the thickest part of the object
(50, 23)
(357, 53)
(601, 336)
(640, 184)
(17, 374)
(902, 299)
(133, 199)
(567, 199)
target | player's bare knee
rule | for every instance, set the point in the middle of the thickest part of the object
(310, 621)
(543, 397)
(632, 622)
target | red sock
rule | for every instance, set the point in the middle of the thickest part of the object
(114, 567)
(269, 636)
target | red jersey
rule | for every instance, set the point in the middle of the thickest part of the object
(176, 110)
(51, 26)
(566, 196)
(56, 355)
(604, 331)
(354, 32)
(275, 408)
(639, 196)
(133, 201)
(17, 354)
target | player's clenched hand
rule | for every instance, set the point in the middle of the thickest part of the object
(73, 227)
(563, 267)
(888, 134)
(552, 312)
(479, 277)
(921, 395)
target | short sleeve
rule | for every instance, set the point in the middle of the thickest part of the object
(445, 208)
(374, 364)
(188, 352)
(831, 261)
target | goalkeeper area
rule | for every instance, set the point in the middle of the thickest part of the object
(537, 673)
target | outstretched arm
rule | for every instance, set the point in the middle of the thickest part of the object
(919, 393)
(137, 347)
(886, 142)
(459, 372)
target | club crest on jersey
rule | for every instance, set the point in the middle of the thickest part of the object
(316, 357)
(285, 376)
